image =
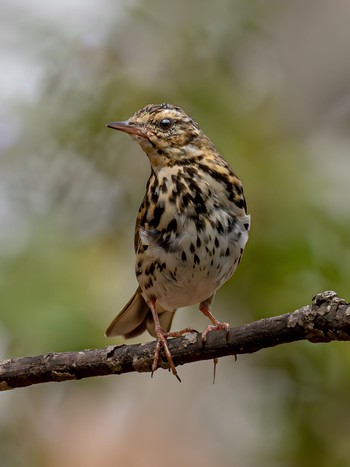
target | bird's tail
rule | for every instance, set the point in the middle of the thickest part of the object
(136, 317)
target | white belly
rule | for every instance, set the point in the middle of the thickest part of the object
(193, 269)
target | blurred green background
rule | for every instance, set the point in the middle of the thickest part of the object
(268, 81)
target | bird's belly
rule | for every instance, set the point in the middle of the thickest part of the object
(194, 271)
(184, 283)
(189, 290)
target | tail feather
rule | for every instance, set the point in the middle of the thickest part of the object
(136, 317)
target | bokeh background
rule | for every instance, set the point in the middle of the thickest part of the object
(268, 81)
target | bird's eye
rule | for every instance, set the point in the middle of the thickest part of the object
(165, 123)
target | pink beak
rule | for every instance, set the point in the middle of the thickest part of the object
(128, 127)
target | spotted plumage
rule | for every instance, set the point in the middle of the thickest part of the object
(191, 228)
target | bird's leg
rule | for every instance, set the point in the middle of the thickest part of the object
(204, 307)
(161, 336)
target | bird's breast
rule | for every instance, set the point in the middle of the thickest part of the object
(192, 230)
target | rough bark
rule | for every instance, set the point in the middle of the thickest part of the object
(326, 319)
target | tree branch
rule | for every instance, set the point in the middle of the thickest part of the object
(325, 320)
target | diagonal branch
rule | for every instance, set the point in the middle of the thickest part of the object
(325, 320)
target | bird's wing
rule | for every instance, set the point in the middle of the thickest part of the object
(140, 215)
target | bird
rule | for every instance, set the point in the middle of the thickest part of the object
(191, 228)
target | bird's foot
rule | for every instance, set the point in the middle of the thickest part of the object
(214, 327)
(162, 337)
(180, 333)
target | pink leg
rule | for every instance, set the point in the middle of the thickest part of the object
(204, 308)
(162, 340)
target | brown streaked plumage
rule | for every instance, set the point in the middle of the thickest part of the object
(191, 228)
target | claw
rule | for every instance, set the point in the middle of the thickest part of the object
(205, 309)
(214, 327)
(162, 342)
(216, 361)
(162, 336)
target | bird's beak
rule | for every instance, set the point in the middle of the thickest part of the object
(128, 127)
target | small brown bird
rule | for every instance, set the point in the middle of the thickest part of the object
(191, 228)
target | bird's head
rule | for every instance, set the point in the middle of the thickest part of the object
(165, 133)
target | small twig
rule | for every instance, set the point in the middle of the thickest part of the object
(325, 320)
